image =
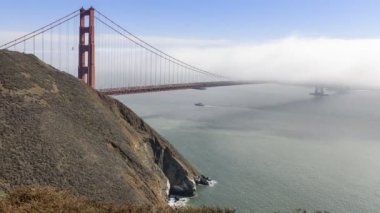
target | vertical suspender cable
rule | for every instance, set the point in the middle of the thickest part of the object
(43, 48)
(129, 55)
(34, 45)
(60, 47)
(51, 47)
(170, 79)
(141, 66)
(134, 64)
(67, 46)
(160, 69)
(151, 69)
(146, 70)
(155, 70)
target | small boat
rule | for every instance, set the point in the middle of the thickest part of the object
(199, 104)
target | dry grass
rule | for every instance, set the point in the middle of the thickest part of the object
(48, 199)
(2, 195)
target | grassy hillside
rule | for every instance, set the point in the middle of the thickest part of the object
(57, 131)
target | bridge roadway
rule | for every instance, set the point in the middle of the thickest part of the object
(203, 85)
(167, 87)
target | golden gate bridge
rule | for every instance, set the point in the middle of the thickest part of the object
(109, 58)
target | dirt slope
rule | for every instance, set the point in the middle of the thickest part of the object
(55, 130)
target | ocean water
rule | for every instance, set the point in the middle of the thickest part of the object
(274, 147)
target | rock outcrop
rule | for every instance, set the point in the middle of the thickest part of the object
(57, 131)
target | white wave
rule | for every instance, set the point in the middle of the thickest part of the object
(167, 187)
(179, 202)
(212, 183)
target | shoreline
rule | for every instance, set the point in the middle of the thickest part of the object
(180, 201)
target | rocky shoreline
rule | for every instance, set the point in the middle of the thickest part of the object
(188, 188)
(178, 197)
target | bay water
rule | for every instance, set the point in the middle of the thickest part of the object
(274, 147)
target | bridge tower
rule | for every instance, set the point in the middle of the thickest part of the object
(86, 65)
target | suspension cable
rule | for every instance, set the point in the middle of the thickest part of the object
(36, 33)
(167, 58)
(151, 46)
(41, 28)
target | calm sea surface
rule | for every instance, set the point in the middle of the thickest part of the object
(274, 147)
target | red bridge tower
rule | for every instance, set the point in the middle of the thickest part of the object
(86, 66)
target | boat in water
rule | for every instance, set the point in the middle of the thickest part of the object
(199, 104)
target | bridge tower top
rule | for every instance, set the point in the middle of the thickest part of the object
(86, 65)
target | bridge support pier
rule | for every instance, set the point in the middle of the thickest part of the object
(86, 65)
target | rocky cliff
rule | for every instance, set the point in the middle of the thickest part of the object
(57, 131)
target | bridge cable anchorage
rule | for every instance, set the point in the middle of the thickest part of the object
(154, 48)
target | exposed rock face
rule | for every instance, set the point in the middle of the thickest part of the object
(202, 180)
(55, 130)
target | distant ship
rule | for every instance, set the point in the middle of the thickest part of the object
(199, 104)
(319, 92)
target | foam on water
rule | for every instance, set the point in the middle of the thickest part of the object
(180, 202)
(212, 183)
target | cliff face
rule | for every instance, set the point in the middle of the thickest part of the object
(55, 130)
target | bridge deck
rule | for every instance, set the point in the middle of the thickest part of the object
(157, 88)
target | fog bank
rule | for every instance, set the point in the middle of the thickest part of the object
(354, 62)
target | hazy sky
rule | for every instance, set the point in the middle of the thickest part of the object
(326, 40)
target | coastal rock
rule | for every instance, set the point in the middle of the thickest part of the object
(55, 130)
(202, 180)
(176, 168)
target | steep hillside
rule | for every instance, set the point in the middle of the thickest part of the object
(55, 130)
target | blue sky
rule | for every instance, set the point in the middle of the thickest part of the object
(212, 19)
(328, 41)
